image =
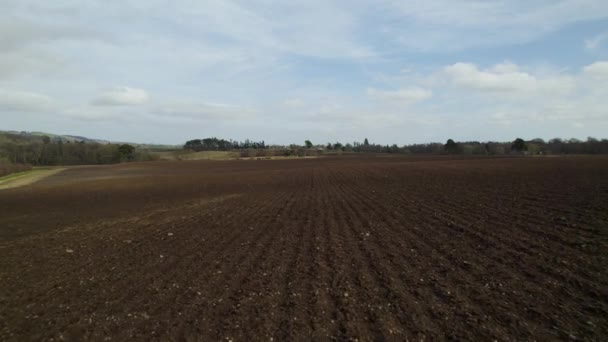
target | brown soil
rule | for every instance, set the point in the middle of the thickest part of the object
(346, 248)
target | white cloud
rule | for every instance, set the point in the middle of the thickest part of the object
(18, 33)
(403, 96)
(20, 101)
(597, 70)
(27, 46)
(293, 102)
(343, 117)
(121, 96)
(441, 25)
(281, 27)
(88, 113)
(513, 96)
(29, 62)
(495, 79)
(505, 78)
(596, 41)
(202, 111)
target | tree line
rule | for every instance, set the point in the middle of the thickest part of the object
(521, 146)
(534, 147)
(19, 151)
(215, 144)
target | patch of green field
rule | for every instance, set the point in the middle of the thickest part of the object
(19, 179)
(24, 173)
(203, 155)
(15, 175)
(210, 155)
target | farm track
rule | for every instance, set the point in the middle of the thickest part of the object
(325, 249)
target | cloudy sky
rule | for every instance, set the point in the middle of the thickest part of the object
(284, 71)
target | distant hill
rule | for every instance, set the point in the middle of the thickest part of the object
(70, 138)
(23, 135)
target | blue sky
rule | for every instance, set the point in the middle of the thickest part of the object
(285, 71)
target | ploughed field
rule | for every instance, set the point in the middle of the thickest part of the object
(346, 248)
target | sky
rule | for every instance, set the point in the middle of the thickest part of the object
(153, 71)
